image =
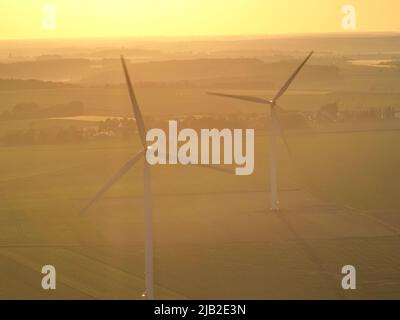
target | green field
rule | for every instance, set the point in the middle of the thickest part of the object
(214, 234)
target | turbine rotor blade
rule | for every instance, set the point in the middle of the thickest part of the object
(290, 80)
(241, 97)
(135, 105)
(120, 173)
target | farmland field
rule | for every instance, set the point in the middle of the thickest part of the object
(66, 126)
(214, 234)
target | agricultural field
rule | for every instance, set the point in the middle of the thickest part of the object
(66, 126)
(214, 234)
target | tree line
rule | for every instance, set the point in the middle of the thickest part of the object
(32, 110)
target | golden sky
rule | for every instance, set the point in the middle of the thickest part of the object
(23, 19)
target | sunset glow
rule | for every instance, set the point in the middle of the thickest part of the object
(122, 18)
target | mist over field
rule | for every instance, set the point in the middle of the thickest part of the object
(66, 125)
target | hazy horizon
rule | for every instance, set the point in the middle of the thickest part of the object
(219, 37)
(178, 18)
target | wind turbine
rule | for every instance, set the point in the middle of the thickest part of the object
(149, 270)
(274, 128)
(149, 273)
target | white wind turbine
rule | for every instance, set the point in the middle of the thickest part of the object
(274, 128)
(149, 270)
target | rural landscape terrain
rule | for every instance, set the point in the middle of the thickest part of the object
(66, 125)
